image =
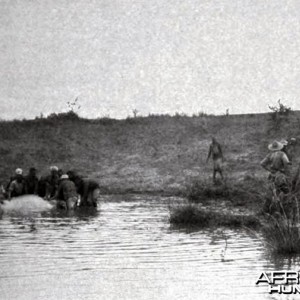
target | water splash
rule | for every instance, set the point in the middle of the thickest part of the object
(25, 205)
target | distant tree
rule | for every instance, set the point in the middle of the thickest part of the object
(280, 109)
(135, 112)
(279, 114)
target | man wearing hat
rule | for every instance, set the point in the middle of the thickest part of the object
(17, 187)
(277, 163)
(66, 193)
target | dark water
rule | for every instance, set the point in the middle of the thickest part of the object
(127, 250)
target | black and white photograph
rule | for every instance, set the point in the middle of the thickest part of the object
(149, 149)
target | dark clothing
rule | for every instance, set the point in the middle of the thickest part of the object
(89, 190)
(85, 185)
(51, 182)
(17, 188)
(66, 195)
(66, 190)
(41, 189)
(32, 184)
(11, 179)
(289, 150)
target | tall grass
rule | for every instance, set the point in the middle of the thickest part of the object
(282, 231)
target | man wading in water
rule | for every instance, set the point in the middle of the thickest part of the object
(17, 187)
(66, 193)
(215, 150)
(88, 189)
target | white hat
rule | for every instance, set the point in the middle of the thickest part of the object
(275, 146)
(64, 176)
(53, 168)
(19, 171)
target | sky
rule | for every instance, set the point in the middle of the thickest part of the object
(153, 56)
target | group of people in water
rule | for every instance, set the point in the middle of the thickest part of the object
(67, 190)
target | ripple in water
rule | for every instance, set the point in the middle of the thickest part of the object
(126, 250)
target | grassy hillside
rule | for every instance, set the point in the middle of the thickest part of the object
(155, 153)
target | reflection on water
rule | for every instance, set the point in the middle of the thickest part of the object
(127, 250)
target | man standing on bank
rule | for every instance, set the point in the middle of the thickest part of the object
(215, 151)
(277, 163)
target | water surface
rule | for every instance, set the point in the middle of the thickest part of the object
(128, 250)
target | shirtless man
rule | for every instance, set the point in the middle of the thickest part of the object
(215, 151)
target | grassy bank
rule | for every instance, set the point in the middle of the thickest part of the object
(154, 154)
(229, 203)
(248, 191)
(258, 206)
(202, 217)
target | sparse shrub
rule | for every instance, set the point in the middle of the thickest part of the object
(106, 120)
(70, 115)
(202, 114)
(40, 117)
(130, 120)
(281, 109)
(279, 114)
(179, 115)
